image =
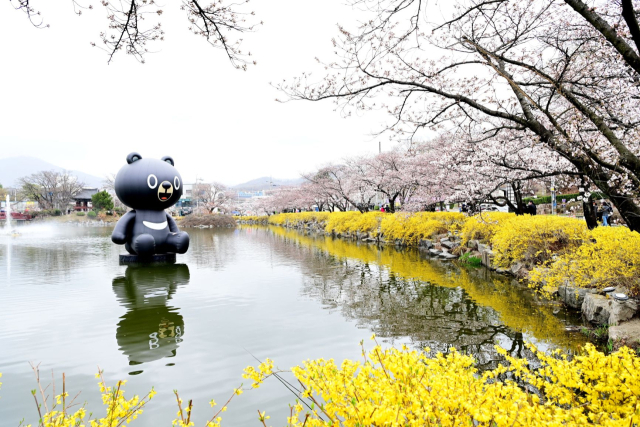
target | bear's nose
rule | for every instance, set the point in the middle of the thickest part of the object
(166, 185)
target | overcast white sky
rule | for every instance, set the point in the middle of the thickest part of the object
(61, 102)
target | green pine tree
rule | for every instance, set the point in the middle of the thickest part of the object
(102, 201)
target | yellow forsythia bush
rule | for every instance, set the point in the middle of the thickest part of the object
(119, 410)
(483, 226)
(535, 239)
(408, 227)
(342, 222)
(610, 256)
(403, 387)
(351, 222)
(253, 218)
(411, 228)
(295, 219)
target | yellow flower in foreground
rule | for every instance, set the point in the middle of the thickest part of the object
(402, 387)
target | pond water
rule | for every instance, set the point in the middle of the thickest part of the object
(67, 305)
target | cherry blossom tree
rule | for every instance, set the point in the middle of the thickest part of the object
(335, 185)
(134, 25)
(213, 195)
(509, 162)
(388, 173)
(563, 74)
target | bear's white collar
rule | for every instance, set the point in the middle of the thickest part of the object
(155, 225)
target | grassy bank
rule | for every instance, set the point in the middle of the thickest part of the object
(554, 249)
(207, 220)
(78, 217)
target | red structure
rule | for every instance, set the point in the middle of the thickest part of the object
(16, 216)
(83, 200)
(81, 206)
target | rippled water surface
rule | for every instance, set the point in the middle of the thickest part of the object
(66, 304)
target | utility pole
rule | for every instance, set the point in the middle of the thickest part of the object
(196, 190)
(378, 201)
(553, 195)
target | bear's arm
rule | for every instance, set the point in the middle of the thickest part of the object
(173, 227)
(119, 235)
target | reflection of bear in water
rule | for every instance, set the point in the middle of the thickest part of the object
(149, 330)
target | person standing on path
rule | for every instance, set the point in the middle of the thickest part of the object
(606, 214)
(531, 208)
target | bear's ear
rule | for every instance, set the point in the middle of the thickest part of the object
(168, 160)
(133, 157)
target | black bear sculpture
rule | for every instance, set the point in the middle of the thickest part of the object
(148, 187)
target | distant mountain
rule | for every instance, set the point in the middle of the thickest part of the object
(14, 168)
(265, 182)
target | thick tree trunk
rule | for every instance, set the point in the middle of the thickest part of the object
(626, 205)
(589, 213)
(629, 210)
(589, 210)
(392, 204)
(517, 193)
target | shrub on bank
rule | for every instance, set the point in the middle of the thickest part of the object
(92, 214)
(252, 218)
(296, 219)
(483, 226)
(408, 227)
(45, 212)
(352, 222)
(534, 240)
(413, 227)
(80, 213)
(609, 256)
(402, 387)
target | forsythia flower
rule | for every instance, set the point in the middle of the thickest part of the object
(265, 369)
(402, 387)
(608, 256)
(534, 240)
(119, 410)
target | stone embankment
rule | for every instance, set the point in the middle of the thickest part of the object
(620, 314)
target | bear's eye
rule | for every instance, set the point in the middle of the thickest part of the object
(176, 183)
(152, 178)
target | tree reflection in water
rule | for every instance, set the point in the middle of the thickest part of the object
(151, 329)
(404, 294)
